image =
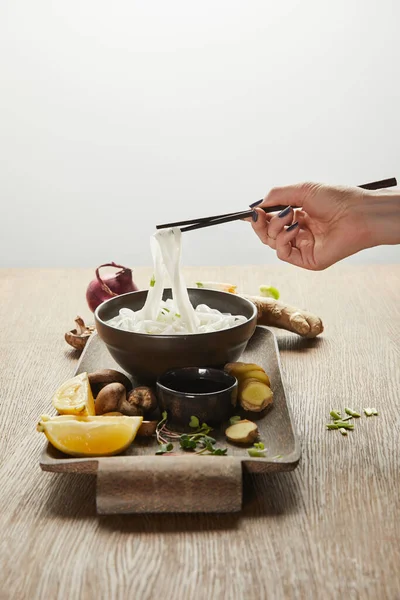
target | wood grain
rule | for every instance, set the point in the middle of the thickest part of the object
(330, 529)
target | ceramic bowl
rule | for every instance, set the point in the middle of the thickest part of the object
(146, 356)
(208, 394)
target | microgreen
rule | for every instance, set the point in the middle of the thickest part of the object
(202, 428)
(186, 443)
(164, 448)
(194, 422)
(219, 451)
(198, 441)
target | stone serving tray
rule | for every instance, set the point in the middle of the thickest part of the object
(138, 481)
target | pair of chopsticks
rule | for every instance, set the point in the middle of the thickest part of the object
(192, 224)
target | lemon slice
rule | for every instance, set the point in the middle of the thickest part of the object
(90, 436)
(74, 397)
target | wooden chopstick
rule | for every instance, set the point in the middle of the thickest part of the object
(192, 221)
(244, 214)
(379, 185)
(192, 224)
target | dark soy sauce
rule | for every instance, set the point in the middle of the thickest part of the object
(189, 385)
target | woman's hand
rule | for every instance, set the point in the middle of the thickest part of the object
(332, 223)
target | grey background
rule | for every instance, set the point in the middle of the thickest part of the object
(115, 116)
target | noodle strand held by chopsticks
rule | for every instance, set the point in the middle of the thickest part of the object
(176, 315)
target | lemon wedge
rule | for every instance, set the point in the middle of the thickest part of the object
(90, 436)
(74, 397)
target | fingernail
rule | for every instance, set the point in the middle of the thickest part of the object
(292, 226)
(285, 212)
(256, 203)
(254, 216)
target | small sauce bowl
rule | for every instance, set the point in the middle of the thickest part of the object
(206, 393)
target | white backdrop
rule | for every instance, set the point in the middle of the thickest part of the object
(115, 116)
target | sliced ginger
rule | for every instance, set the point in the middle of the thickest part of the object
(90, 436)
(260, 375)
(242, 432)
(240, 369)
(74, 397)
(254, 390)
(254, 395)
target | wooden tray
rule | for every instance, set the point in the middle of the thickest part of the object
(138, 481)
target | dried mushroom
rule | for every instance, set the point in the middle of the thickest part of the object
(78, 337)
(99, 379)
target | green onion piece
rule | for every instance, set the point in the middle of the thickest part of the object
(344, 424)
(374, 412)
(352, 412)
(254, 453)
(269, 292)
(369, 412)
(347, 418)
(342, 431)
(234, 420)
(335, 414)
(199, 284)
(259, 446)
(152, 282)
(339, 424)
(178, 315)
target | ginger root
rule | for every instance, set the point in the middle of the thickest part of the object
(242, 432)
(254, 395)
(277, 314)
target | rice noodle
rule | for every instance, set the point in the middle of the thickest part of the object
(176, 315)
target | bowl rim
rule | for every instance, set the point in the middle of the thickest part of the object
(229, 388)
(177, 335)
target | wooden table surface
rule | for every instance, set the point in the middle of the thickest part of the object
(330, 529)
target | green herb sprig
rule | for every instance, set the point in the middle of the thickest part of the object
(198, 442)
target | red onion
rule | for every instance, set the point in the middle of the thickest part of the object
(101, 289)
